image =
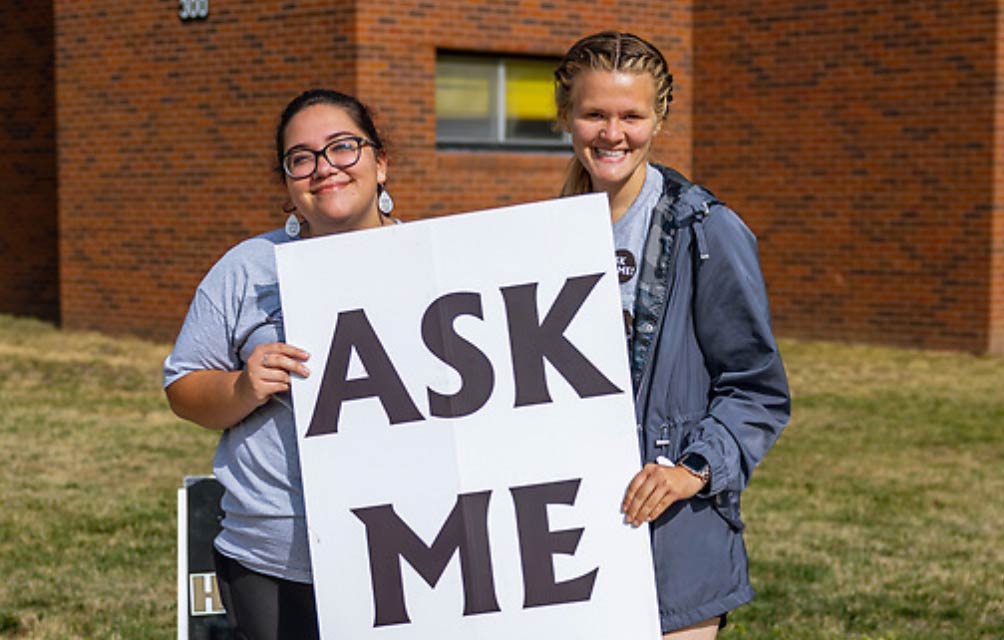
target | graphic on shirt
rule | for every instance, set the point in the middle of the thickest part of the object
(627, 265)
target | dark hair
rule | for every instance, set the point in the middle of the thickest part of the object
(608, 51)
(359, 113)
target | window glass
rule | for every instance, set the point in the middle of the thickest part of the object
(529, 90)
(490, 102)
(466, 97)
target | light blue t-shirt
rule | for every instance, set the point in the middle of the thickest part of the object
(236, 307)
(630, 232)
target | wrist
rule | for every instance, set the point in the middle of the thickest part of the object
(696, 466)
(244, 392)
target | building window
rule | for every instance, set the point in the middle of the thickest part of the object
(484, 102)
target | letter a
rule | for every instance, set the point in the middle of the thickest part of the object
(353, 331)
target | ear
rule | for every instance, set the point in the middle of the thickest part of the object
(381, 163)
(562, 120)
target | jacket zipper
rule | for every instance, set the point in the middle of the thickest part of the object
(649, 357)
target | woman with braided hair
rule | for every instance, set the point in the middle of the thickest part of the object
(711, 394)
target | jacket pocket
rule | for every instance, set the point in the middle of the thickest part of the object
(726, 503)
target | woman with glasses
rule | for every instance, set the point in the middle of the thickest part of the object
(230, 368)
(710, 389)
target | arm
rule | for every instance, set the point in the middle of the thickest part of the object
(749, 403)
(217, 399)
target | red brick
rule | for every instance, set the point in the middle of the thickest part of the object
(863, 143)
(858, 142)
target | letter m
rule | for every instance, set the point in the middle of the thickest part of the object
(390, 539)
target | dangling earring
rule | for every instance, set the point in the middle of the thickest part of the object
(293, 226)
(384, 203)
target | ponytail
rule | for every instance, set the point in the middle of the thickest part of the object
(577, 179)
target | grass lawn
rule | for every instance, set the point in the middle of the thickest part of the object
(878, 515)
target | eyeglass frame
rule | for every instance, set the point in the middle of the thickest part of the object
(323, 152)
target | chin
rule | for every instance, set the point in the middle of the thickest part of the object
(611, 177)
(616, 174)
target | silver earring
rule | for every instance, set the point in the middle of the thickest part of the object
(385, 203)
(292, 226)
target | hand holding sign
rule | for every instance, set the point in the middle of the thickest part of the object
(267, 371)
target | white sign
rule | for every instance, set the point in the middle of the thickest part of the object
(467, 432)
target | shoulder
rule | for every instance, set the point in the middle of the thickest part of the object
(689, 203)
(251, 259)
(673, 180)
(723, 221)
(256, 248)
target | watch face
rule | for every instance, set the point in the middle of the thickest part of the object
(695, 463)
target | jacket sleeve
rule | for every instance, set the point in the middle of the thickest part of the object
(748, 402)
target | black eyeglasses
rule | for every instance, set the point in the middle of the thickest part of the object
(340, 154)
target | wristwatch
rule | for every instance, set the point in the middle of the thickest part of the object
(697, 466)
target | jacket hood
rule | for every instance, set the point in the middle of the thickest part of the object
(682, 202)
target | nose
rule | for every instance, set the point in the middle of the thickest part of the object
(612, 130)
(324, 167)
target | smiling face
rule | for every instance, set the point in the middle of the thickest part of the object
(613, 121)
(334, 200)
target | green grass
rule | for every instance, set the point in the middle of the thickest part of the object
(878, 515)
(92, 459)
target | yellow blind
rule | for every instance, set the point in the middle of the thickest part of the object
(529, 90)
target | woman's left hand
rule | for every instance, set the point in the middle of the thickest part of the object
(656, 487)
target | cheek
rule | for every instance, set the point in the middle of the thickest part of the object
(582, 134)
(642, 136)
(294, 190)
(298, 194)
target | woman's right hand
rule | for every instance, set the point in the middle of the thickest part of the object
(268, 370)
(654, 489)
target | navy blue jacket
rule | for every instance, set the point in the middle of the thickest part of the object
(708, 380)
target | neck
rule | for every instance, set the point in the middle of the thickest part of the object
(622, 195)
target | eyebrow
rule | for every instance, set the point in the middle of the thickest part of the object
(331, 136)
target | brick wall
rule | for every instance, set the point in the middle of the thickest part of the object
(863, 142)
(166, 143)
(29, 274)
(997, 278)
(858, 140)
(166, 126)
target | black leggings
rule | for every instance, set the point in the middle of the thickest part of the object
(261, 607)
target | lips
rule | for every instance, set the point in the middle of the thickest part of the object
(328, 187)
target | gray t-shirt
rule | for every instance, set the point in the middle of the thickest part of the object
(629, 240)
(235, 308)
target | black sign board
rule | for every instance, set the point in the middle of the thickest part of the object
(200, 610)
